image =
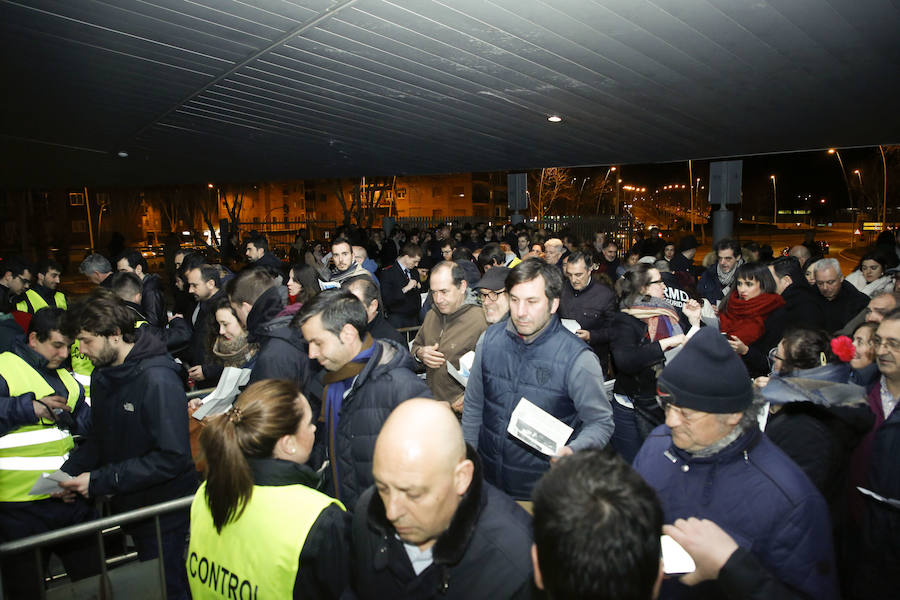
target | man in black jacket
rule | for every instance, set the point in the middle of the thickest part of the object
(257, 300)
(364, 288)
(400, 288)
(258, 255)
(589, 303)
(203, 285)
(153, 303)
(364, 380)
(842, 301)
(803, 304)
(175, 334)
(431, 526)
(138, 451)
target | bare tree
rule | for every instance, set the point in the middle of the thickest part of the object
(546, 188)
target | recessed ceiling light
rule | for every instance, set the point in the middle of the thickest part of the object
(554, 118)
(123, 154)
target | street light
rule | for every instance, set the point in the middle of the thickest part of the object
(856, 172)
(775, 201)
(844, 175)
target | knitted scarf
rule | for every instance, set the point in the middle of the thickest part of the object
(661, 319)
(235, 352)
(726, 279)
(336, 385)
(745, 319)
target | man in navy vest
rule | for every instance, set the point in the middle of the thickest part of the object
(532, 356)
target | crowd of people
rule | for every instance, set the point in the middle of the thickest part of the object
(743, 406)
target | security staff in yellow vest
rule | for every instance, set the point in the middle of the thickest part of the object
(44, 292)
(259, 529)
(41, 405)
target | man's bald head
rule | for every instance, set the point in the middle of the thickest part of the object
(420, 468)
(404, 433)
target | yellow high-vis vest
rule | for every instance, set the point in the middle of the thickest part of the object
(35, 302)
(82, 367)
(29, 452)
(223, 565)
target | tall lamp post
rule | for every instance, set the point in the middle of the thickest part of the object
(774, 201)
(849, 196)
(884, 197)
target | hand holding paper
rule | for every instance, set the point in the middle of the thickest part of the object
(539, 429)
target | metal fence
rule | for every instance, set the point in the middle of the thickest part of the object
(281, 233)
(110, 583)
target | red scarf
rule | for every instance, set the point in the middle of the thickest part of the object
(745, 319)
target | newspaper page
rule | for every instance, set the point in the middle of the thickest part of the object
(676, 560)
(538, 428)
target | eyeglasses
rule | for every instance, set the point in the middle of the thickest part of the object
(665, 403)
(656, 281)
(492, 296)
(892, 344)
(773, 356)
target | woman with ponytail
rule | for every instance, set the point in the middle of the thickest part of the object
(645, 329)
(257, 521)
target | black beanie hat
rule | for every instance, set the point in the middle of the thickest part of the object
(707, 375)
(688, 242)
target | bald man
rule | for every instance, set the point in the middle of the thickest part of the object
(431, 526)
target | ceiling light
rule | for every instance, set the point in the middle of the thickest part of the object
(554, 118)
(123, 154)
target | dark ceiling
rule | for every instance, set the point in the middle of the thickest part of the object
(247, 90)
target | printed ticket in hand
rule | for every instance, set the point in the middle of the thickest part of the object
(465, 367)
(570, 324)
(538, 428)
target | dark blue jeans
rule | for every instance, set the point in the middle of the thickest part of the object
(627, 438)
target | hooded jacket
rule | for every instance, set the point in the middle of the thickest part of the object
(484, 553)
(282, 349)
(821, 420)
(386, 381)
(758, 496)
(455, 334)
(138, 449)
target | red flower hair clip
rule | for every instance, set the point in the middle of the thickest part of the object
(843, 348)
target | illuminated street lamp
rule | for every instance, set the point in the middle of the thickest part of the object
(844, 175)
(774, 201)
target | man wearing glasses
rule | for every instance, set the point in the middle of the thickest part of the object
(710, 461)
(878, 544)
(491, 293)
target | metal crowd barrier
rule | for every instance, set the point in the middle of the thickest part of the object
(98, 586)
(199, 393)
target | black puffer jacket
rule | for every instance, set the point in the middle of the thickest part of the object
(138, 450)
(282, 349)
(484, 554)
(386, 381)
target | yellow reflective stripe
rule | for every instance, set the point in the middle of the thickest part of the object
(30, 438)
(32, 463)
